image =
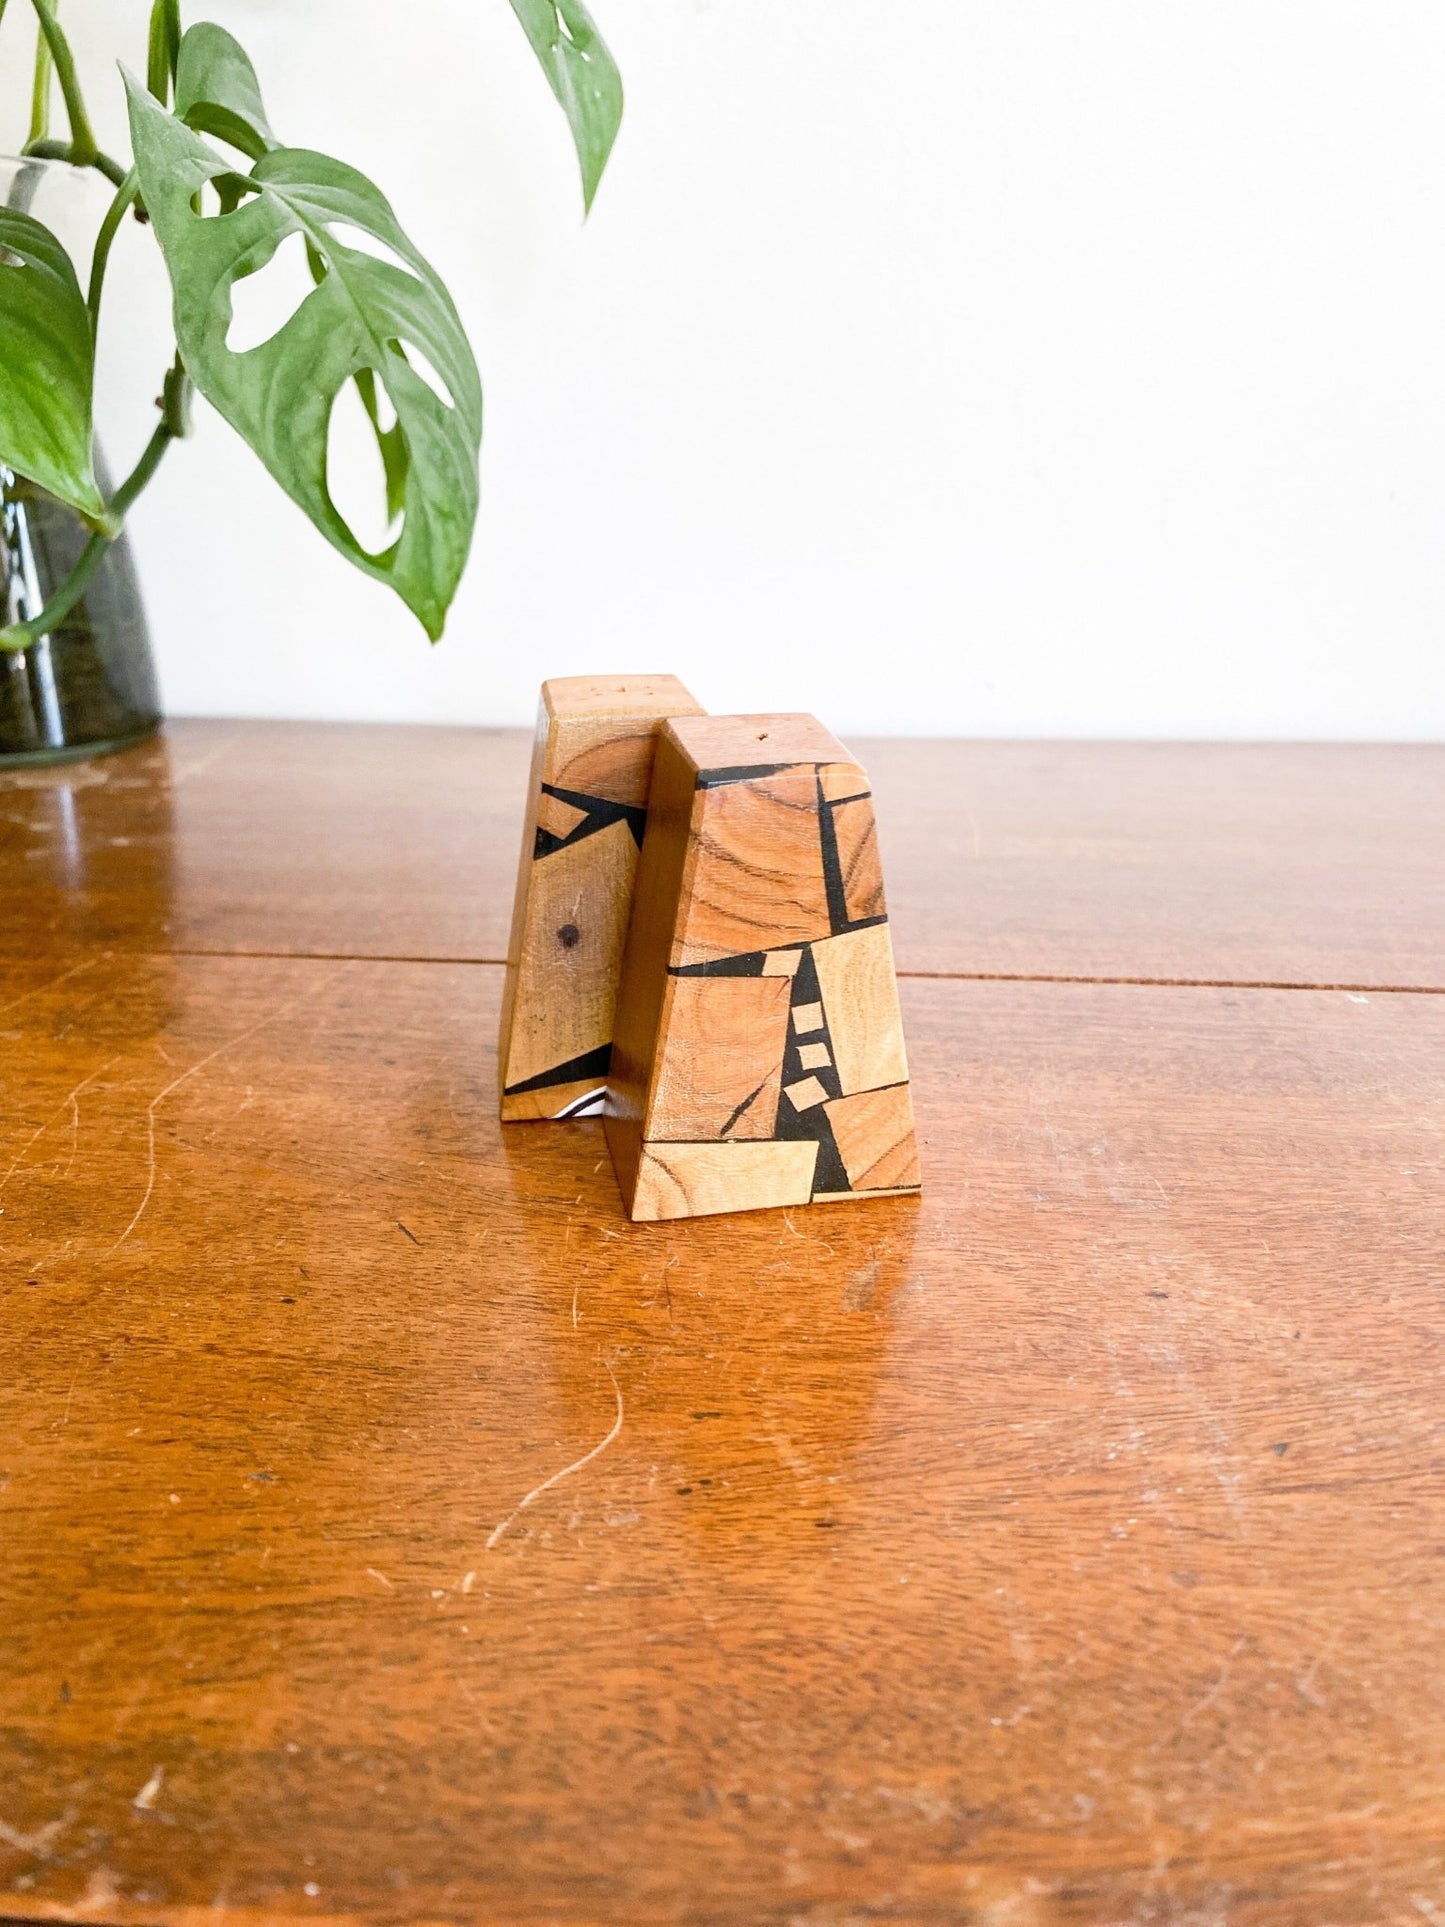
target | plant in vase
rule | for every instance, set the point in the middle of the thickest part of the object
(222, 193)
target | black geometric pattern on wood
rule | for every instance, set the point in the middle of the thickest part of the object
(810, 1124)
(592, 1063)
(599, 813)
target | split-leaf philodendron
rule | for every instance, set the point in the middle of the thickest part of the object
(220, 213)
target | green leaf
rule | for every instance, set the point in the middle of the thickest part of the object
(582, 74)
(364, 314)
(217, 91)
(47, 367)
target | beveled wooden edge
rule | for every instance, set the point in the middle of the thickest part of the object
(566, 698)
(668, 851)
(780, 737)
(519, 894)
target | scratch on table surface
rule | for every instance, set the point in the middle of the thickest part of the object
(567, 1470)
(176, 1082)
(1203, 1705)
(102, 1890)
(145, 1800)
(203, 763)
(372, 1573)
(1305, 1681)
(40, 1841)
(72, 1103)
(66, 1103)
(53, 983)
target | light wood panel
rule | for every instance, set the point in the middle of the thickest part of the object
(394, 1533)
(728, 1084)
(1247, 863)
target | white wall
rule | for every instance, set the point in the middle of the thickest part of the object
(1054, 367)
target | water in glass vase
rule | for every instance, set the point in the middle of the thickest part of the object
(90, 684)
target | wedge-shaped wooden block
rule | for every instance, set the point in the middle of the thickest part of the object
(587, 803)
(758, 1056)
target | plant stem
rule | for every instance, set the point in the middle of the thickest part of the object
(21, 635)
(65, 151)
(109, 227)
(82, 137)
(164, 45)
(24, 635)
(40, 90)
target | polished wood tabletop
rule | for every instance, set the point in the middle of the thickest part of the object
(394, 1533)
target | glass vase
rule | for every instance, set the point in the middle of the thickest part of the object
(90, 684)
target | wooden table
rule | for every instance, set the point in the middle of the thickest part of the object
(394, 1533)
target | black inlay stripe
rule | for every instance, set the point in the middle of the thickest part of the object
(742, 1107)
(711, 779)
(832, 864)
(748, 964)
(592, 1063)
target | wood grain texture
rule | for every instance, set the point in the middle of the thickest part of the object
(855, 827)
(562, 989)
(874, 1134)
(855, 975)
(581, 832)
(745, 998)
(394, 1533)
(728, 1085)
(756, 878)
(698, 1180)
(1245, 863)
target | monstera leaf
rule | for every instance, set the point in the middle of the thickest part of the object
(389, 317)
(47, 366)
(582, 74)
(217, 91)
